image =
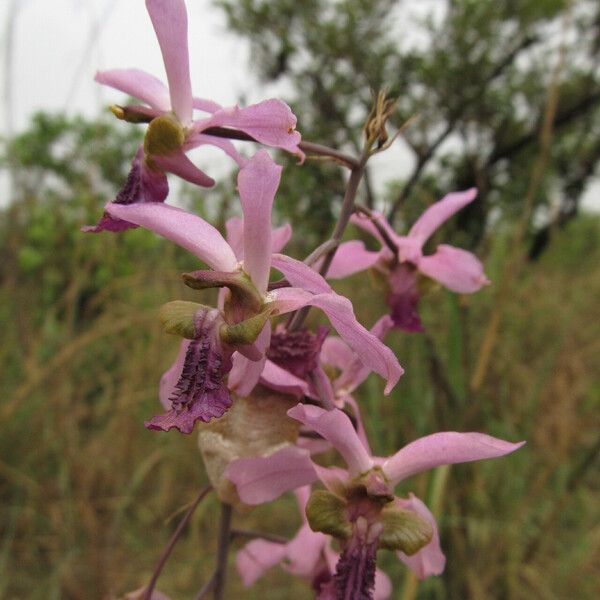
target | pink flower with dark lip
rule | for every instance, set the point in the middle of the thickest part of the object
(260, 480)
(308, 555)
(172, 131)
(457, 270)
(257, 183)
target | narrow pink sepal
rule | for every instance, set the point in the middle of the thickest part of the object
(456, 269)
(179, 164)
(171, 376)
(257, 557)
(138, 84)
(299, 274)
(439, 213)
(184, 229)
(258, 181)
(350, 258)
(270, 122)
(260, 480)
(430, 560)
(169, 18)
(335, 427)
(445, 448)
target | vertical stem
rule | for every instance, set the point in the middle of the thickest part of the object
(169, 547)
(356, 175)
(222, 552)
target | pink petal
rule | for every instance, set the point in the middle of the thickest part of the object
(245, 372)
(179, 164)
(383, 586)
(350, 258)
(171, 376)
(335, 427)
(256, 557)
(280, 236)
(300, 274)
(302, 495)
(360, 428)
(446, 448)
(260, 480)
(270, 122)
(430, 560)
(336, 353)
(235, 236)
(234, 229)
(367, 224)
(169, 18)
(305, 551)
(258, 181)
(439, 213)
(138, 84)
(354, 372)
(458, 270)
(185, 229)
(371, 351)
(200, 139)
(276, 378)
(205, 105)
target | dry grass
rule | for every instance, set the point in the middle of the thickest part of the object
(89, 497)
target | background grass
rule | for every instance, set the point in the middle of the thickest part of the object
(89, 497)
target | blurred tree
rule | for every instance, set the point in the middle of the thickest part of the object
(478, 75)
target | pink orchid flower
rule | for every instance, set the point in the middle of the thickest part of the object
(456, 269)
(172, 131)
(364, 491)
(208, 354)
(308, 555)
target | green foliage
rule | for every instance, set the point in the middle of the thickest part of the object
(478, 74)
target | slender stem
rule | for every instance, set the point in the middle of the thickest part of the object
(356, 175)
(169, 547)
(248, 533)
(206, 588)
(222, 552)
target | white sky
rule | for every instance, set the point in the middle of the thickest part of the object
(58, 45)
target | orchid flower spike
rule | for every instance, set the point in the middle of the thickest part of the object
(401, 257)
(172, 131)
(358, 505)
(243, 330)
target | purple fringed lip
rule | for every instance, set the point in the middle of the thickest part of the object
(200, 393)
(297, 351)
